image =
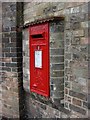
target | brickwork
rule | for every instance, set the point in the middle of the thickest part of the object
(56, 65)
(74, 47)
(57, 61)
(0, 59)
(11, 61)
(76, 59)
(10, 99)
(69, 47)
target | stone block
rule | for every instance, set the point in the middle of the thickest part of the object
(68, 56)
(85, 24)
(59, 81)
(84, 41)
(84, 8)
(75, 25)
(57, 59)
(57, 66)
(78, 33)
(6, 69)
(78, 95)
(57, 51)
(77, 109)
(57, 74)
(76, 41)
(80, 71)
(75, 10)
(77, 87)
(55, 44)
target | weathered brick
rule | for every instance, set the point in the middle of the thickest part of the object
(57, 51)
(5, 59)
(11, 64)
(17, 59)
(57, 80)
(11, 54)
(57, 74)
(6, 69)
(67, 98)
(5, 49)
(78, 95)
(77, 109)
(13, 39)
(76, 102)
(16, 49)
(66, 91)
(10, 45)
(57, 59)
(6, 35)
(5, 40)
(57, 66)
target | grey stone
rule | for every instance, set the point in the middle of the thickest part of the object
(77, 109)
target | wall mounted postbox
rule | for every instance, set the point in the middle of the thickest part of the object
(39, 59)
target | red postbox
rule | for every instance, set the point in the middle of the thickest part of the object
(39, 59)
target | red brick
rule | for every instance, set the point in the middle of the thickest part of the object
(66, 91)
(5, 59)
(76, 102)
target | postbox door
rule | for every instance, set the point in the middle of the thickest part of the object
(39, 59)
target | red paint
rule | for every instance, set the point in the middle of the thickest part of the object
(39, 41)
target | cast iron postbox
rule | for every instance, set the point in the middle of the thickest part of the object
(39, 59)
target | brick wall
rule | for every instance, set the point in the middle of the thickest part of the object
(76, 60)
(75, 31)
(57, 61)
(0, 58)
(72, 48)
(11, 61)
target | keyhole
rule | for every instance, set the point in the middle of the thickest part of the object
(38, 47)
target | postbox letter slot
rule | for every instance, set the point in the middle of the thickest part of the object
(37, 36)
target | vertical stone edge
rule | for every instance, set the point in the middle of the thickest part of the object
(0, 59)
